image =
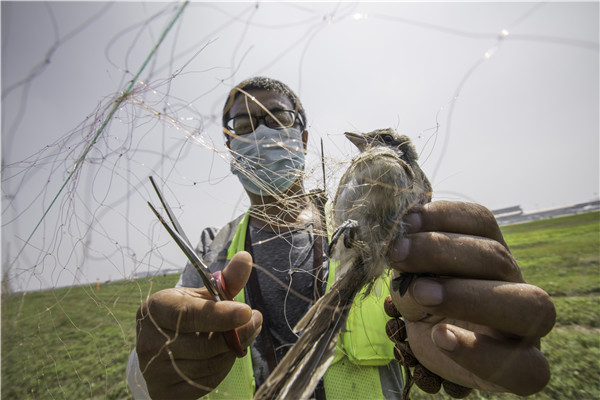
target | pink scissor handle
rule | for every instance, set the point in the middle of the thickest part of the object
(231, 337)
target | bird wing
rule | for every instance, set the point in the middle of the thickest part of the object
(299, 372)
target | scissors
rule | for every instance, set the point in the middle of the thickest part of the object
(214, 283)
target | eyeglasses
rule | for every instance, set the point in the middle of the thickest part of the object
(279, 119)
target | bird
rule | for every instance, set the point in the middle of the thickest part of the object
(379, 187)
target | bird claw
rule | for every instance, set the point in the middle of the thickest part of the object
(401, 283)
(347, 225)
(349, 237)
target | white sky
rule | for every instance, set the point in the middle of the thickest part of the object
(519, 127)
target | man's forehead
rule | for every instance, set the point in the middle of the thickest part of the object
(254, 99)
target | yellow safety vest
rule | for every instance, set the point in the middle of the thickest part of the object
(361, 348)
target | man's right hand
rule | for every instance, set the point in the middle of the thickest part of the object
(180, 350)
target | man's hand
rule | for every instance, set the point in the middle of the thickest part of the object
(476, 322)
(181, 352)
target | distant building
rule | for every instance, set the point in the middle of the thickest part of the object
(160, 272)
(508, 210)
(515, 215)
(505, 215)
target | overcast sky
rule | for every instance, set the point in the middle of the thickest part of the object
(501, 100)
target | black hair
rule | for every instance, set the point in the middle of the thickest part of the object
(261, 83)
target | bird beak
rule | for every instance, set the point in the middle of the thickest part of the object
(357, 139)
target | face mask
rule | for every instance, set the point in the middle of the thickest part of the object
(268, 161)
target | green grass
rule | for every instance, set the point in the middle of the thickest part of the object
(561, 255)
(74, 343)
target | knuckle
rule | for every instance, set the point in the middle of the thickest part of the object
(151, 306)
(483, 213)
(142, 312)
(141, 319)
(486, 221)
(486, 218)
(545, 310)
(188, 316)
(507, 265)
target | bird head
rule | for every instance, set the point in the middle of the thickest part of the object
(385, 137)
(403, 147)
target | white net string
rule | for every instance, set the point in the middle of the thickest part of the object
(481, 88)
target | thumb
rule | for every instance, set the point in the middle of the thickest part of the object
(237, 272)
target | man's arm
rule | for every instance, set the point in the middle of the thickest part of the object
(476, 323)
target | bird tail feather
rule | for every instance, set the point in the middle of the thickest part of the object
(299, 372)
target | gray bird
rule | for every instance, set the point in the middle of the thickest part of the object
(381, 185)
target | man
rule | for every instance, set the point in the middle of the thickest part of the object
(479, 326)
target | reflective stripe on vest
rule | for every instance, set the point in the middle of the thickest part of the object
(360, 350)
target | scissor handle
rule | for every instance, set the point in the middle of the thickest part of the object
(231, 337)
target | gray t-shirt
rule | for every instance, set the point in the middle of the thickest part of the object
(286, 277)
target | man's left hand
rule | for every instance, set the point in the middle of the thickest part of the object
(474, 321)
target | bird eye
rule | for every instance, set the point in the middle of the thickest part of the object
(387, 138)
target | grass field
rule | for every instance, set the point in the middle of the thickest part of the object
(73, 343)
(562, 256)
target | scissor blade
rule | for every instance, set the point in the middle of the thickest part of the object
(170, 214)
(205, 274)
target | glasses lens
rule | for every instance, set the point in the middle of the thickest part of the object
(242, 125)
(282, 119)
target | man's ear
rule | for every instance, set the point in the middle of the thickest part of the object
(305, 138)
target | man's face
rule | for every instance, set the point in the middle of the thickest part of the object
(272, 101)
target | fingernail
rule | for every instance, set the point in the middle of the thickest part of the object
(412, 222)
(400, 250)
(428, 292)
(445, 339)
